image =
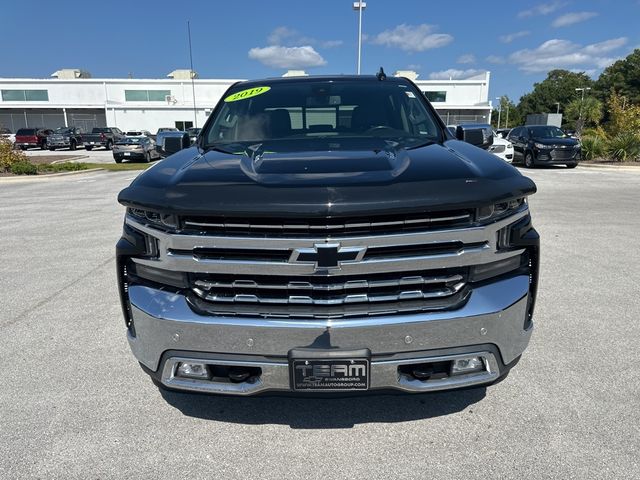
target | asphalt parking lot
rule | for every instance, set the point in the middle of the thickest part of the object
(75, 404)
(94, 156)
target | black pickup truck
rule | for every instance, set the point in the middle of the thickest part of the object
(102, 137)
(65, 137)
(328, 234)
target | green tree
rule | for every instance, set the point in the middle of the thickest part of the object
(624, 116)
(592, 112)
(559, 87)
(622, 77)
(510, 115)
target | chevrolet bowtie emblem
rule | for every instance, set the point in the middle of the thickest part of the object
(326, 256)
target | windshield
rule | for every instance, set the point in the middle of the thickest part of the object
(62, 130)
(547, 132)
(322, 114)
(101, 130)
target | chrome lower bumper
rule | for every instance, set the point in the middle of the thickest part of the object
(494, 315)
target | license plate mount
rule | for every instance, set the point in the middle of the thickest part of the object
(329, 371)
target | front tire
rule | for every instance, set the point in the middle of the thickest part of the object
(43, 145)
(52, 149)
(118, 160)
(528, 160)
(109, 145)
(572, 165)
(88, 149)
(23, 147)
(72, 146)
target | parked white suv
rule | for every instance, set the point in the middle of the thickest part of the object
(502, 148)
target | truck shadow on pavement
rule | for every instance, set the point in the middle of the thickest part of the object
(322, 413)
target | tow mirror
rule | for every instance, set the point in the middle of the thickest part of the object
(476, 134)
(175, 141)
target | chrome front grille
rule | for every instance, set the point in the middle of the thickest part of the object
(289, 276)
(326, 290)
(328, 226)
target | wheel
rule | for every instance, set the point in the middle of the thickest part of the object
(72, 146)
(572, 165)
(118, 160)
(528, 160)
(53, 149)
(147, 157)
(23, 147)
(108, 145)
(88, 148)
(43, 145)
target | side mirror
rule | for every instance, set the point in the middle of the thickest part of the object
(174, 142)
(479, 135)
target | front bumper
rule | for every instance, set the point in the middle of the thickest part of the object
(491, 324)
(557, 157)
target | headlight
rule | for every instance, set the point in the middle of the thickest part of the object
(509, 145)
(541, 145)
(148, 217)
(500, 210)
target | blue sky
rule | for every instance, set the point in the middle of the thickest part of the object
(517, 41)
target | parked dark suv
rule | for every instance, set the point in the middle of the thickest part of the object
(32, 137)
(544, 145)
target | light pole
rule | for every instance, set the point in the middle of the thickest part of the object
(499, 110)
(359, 6)
(557, 104)
(506, 123)
(582, 90)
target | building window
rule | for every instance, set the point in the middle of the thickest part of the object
(25, 95)
(436, 96)
(146, 95)
(183, 126)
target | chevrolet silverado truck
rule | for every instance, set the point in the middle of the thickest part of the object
(102, 137)
(328, 234)
(65, 137)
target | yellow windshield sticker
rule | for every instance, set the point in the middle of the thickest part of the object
(244, 94)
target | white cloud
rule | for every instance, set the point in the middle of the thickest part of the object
(332, 43)
(497, 59)
(542, 9)
(510, 37)
(277, 56)
(571, 18)
(467, 58)
(281, 35)
(413, 38)
(454, 73)
(558, 53)
(289, 37)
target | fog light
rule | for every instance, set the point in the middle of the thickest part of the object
(467, 365)
(192, 370)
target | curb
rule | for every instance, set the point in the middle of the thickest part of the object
(23, 178)
(622, 166)
(71, 160)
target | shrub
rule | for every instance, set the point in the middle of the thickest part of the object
(9, 156)
(23, 168)
(624, 146)
(593, 147)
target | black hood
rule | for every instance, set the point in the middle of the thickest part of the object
(568, 142)
(390, 180)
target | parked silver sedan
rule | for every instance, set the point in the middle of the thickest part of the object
(135, 148)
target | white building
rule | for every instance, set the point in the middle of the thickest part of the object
(72, 97)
